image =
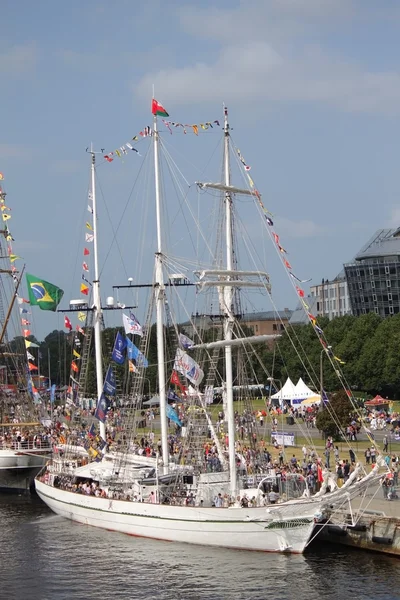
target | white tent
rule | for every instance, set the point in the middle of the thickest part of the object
(288, 392)
(303, 391)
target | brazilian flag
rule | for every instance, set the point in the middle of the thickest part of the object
(43, 294)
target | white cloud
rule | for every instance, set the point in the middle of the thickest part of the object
(18, 59)
(264, 56)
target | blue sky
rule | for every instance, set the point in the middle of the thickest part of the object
(313, 89)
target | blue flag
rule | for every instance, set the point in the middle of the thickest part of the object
(171, 414)
(109, 382)
(118, 353)
(104, 403)
(172, 396)
(53, 392)
(135, 354)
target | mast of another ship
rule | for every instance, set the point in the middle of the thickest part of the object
(229, 319)
(96, 294)
(160, 298)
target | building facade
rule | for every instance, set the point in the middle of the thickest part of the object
(332, 297)
(373, 278)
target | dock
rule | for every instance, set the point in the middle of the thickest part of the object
(371, 523)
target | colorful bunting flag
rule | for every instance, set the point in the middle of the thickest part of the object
(82, 316)
(67, 323)
(84, 289)
(86, 252)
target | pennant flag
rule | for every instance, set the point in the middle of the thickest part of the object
(187, 366)
(135, 354)
(90, 209)
(67, 323)
(318, 330)
(185, 342)
(131, 324)
(27, 332)
(30, 356)
(195, 129)
(118, 353)
(6, 217)
(14, 257)
(300, 280)
(22, 300)
(84, 289)
(108, 157)
(43, 294)
(1, 176)
(32, 367)
(300, 292)
(29, 344)
(74, 367)
(158, 109)
(23, 311)
(85, 267)
(82, 316)
(132, 367)
(88, 226)
(269, 221)
(171, 414)
(79, 330)
(276, 237)
(25, 322)
(339, 360)
(76, 354)
(84, 279)
(86, 252)
(89, 237)
(287, 264)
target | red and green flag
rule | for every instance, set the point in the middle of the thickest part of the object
(158, 109)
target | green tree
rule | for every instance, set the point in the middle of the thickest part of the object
(334, 417)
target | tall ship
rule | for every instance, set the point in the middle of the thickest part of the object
(24, 447)
(207, 480)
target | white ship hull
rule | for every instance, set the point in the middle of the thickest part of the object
(18, 468)
(276, 529)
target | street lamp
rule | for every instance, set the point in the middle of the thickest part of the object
(321, 372)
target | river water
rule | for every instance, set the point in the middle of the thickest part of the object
(45, 557)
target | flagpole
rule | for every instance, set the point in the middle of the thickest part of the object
(160, 298)
(49, 373)
(96, 295)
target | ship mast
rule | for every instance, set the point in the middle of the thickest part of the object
(97, 312)
(229, 319)
(160, 298)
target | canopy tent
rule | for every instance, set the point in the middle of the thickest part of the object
(288, 392)
(377, 402)
(302, 392)
(154, 401)
(310, 401)
(294, 393)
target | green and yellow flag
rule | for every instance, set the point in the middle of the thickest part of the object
(42, 293)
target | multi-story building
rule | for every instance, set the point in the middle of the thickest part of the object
(261, 323)
(373, 278)
(332, 297)
(267, 322)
